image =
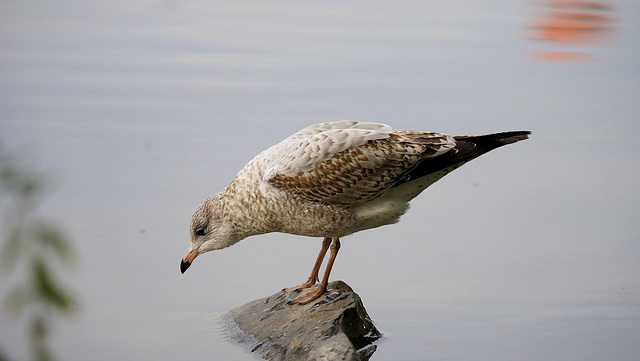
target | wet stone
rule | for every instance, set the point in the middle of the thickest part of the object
(333, 327)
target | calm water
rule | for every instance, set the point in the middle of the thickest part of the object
(140, 109)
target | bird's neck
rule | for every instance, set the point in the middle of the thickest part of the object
(245, 204)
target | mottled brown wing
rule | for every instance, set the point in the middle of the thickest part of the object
(361, 173)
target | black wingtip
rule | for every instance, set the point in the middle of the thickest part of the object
(495, 140)
(184, 266)
(512, 137)
(467, 148)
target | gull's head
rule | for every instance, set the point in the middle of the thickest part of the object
(208, 230)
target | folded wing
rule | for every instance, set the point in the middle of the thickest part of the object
(351, 163)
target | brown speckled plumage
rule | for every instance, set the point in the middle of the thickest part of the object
(359, 174)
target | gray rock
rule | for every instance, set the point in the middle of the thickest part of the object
(333, 327)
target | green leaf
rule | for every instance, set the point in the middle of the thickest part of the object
(20, 182)
(48, 290)
(51, 236)
(38, 334)
(13, 247)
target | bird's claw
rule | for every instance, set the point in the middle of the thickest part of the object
(308, 294)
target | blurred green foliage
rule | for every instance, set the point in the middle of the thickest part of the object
(31, 251)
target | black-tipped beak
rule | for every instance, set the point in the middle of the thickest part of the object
(187, 260)
(184, 265)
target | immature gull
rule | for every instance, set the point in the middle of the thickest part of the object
(331, 180)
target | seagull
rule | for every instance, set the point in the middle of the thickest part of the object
(331, 180)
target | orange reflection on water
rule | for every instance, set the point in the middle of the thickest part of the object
(568, 22)
(566, 56)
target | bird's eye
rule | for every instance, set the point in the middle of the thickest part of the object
(200, 231)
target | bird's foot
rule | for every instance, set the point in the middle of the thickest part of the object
(309, 294)
(310, 282)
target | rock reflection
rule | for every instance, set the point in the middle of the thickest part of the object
(571, 22)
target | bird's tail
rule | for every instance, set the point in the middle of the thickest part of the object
(466, 149)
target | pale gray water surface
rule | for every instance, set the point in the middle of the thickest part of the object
(140, 109)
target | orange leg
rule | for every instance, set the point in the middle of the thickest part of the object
(311, 293)
(313, 278)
